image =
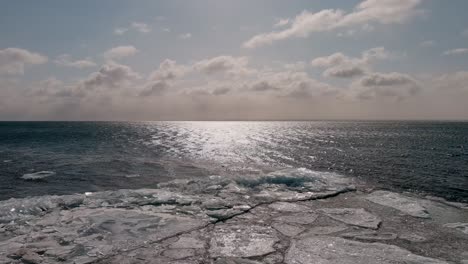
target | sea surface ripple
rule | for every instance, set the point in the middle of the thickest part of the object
(38, 158)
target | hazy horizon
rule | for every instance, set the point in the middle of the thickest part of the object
(213, 60)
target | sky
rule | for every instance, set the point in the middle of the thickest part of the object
(234, 60)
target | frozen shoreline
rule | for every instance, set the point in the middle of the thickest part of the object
(288, 216)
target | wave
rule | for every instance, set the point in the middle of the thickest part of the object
(37, 175)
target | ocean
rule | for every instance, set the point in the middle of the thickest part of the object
(39, 158)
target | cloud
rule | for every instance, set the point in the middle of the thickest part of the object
(162, 79)
(367, 12)
(100, 84)
(302, 26)
(281, 22)
(185, 36)
(155, 88)
(263, 85)
(168, 77)
(66, 60)
(371, 84)
(344, 71)
(229, 74)
(166, 29)
(14, 60)
(160, 18)
(456, 51)
(427, 43)
(141, 27)
(53, 87)
(382, 11)
(221, 91)
(350, 32)
(341, 66)
(138, 26)
(331, 61)
(46, 85)
(378, 53)
(110, 75)
(386, 79)
(394, 84)
(293, 84)
(168, 70)
(183, 91)
(120, 52)
(120, 31)
(221, 64)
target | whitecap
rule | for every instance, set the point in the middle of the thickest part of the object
(132, 175)
(37, 175)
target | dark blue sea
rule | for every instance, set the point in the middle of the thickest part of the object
(38, 158)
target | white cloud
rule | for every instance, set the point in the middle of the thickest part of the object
(222, 64)
(168, 70)
(378, 53)
(282, 22)
(120, 31)
(264, 85)
(13, 60)
(427, 43)
(138, 26)
(382, 11)
(66, 60)
(160, 18)
(162, 79)
(51, 87)
(229, 74)
(351, 32)
(341, 66)
(120, 52)
(185, 36)
(166, 29)
(456, 51)
(110, 75)
(296, 84)
(348, 71)
(394, 84)
(371, 84)
(386, 79)
(104, 82)
(332, 60)
(141, 27)
(203, 90)
(155, 88)
(369, 11)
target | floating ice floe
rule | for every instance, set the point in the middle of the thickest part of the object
(37, 175)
